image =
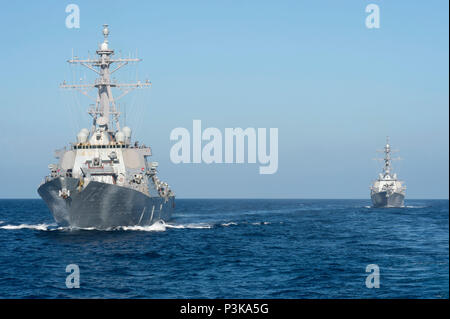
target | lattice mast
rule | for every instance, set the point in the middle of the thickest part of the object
(105, 111)
(387, 158)
(387, 167)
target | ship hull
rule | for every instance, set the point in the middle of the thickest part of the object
(103, 206)
(382, 199)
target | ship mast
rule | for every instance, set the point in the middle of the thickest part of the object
(387, 158)
(387, 168)
(105, 111)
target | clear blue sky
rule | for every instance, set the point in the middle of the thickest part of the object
(332, 87)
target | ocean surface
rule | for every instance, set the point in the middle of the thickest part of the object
(233, 249)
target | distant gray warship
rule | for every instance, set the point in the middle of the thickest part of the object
(387, 190)
(104, 180)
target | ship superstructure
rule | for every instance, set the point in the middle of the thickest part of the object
(104, 179)
(387, 190)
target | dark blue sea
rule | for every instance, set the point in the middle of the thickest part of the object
(233, 249)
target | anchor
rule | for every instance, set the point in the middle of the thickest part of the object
(64, 193)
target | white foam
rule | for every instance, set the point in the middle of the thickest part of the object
(162, 226)
(77, 228)
(192, 226)
(157, 226)
(408, 206)
(228, 224)
(262, 223)
(26, 226)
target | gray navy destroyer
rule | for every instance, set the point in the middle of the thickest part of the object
(387, 190)
(104, 180)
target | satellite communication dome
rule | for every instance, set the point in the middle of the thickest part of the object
(127, 131)
(120, 137)
(82, 136)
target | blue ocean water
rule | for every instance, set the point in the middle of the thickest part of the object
(233, 249)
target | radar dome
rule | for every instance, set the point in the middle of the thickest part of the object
(127, 131)
(104, 46)
(82, 136)
(120, 137)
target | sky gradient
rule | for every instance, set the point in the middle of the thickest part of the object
(332, 87)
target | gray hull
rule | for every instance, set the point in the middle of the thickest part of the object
(382, 199)
(103, 206)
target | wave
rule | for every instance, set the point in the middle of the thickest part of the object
(264, 223)
(158, 226)
(27, 226)
(192, 226)
(162, 226)
(228, 224)
(407, 206)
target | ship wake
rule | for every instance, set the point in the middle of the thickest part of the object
(158, 226)
(27, 226)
